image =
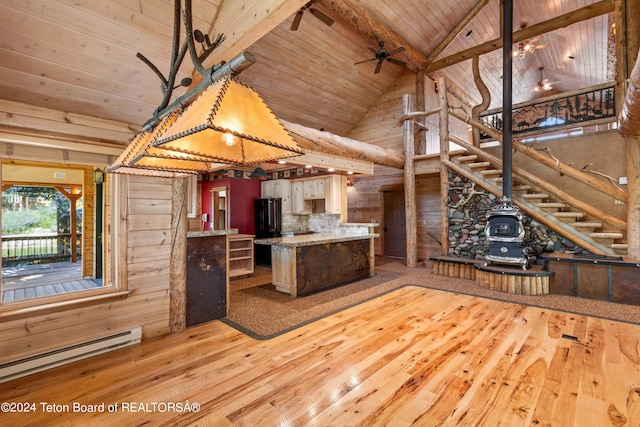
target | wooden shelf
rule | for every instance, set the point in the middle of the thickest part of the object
(240, 255)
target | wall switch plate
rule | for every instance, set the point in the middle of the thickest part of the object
(622, 180)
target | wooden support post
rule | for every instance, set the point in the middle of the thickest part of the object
(444, 171)
(633, 190)
(178, 257)
(410, 184)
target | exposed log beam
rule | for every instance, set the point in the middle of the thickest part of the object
(367, 24)
(364, 22)
(582, 14)
(335, 144)
(629, 118)
(245, 22)
(459, 26)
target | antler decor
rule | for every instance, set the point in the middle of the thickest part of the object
(216, 123)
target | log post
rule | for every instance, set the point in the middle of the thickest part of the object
(443, 119)
(409, 184)
(178, 256)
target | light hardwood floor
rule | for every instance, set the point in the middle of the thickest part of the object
(415, 356)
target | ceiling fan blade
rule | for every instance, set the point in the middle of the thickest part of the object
(366, 60)
(321, 16)
(378, 67)
(540, 46)
(374, 51)
(397, 62)
(396, 50)
(296, 21)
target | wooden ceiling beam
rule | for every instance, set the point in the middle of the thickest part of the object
(364, 22)
(327, 142)
(245, 22)
(579, 15)
(456, 30)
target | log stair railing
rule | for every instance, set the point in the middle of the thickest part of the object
(591, 230)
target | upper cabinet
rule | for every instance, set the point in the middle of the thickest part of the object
(313, 188)
(325, 194)
(278, 189)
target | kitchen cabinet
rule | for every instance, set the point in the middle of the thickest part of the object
(313, 188)
(335, 200)
(298, 204)
(278, 189)
(240, 255)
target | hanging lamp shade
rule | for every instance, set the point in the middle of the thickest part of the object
(229, 123)
(140, 158)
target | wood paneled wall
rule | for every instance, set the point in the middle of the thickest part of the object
(365, 198)
(148, 220)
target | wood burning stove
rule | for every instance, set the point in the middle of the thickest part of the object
(505, 233)
(504, 228)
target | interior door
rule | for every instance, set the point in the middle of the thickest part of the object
(395, 226)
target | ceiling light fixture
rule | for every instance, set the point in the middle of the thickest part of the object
(216, 123)
(543, 84)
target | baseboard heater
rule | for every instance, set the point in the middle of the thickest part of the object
(50, 359)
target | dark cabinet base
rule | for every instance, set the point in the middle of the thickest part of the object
(206, 279)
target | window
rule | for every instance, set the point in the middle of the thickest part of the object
(53, 235)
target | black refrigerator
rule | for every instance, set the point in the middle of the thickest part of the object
(268, 221)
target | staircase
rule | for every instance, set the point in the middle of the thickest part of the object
(572, 223)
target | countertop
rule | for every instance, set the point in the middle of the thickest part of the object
(313, 239)
(212, 233)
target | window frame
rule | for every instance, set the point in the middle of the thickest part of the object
(115, 270)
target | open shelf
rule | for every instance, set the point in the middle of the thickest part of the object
(240, 255)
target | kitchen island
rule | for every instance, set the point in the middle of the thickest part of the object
(302, 264)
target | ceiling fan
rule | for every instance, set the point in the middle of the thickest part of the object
(381, 54)
(543, 84)
(315, 12)
(527, 46)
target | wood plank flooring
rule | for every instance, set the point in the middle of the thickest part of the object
(415, 356)
(33, 281)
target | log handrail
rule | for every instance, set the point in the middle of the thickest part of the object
(561, 167)
(543, 217)
(547, 187)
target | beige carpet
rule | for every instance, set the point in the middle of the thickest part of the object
(260, 311)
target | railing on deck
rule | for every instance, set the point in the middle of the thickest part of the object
(590, 106)
(38, 249)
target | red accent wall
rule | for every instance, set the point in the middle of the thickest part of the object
(242, 193)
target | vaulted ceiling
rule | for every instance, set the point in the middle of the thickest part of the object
(79, 56)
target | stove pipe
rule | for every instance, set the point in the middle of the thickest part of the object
(507, 103)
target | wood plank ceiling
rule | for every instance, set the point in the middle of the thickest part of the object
(79, 56)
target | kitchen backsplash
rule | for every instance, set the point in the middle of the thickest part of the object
(319, 223)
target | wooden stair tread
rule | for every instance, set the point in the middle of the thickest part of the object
(619, 246)
(490, 172)
(555, 205)
(469, 158)
(607, 235)
(568, 214)
(535, 196)
(584, 224)
(478, 165)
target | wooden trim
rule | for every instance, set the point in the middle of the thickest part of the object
(56, 306)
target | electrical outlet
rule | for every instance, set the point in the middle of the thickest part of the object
(622, 180)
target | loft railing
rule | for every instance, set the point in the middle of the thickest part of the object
(581, 108)
(38, 249)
